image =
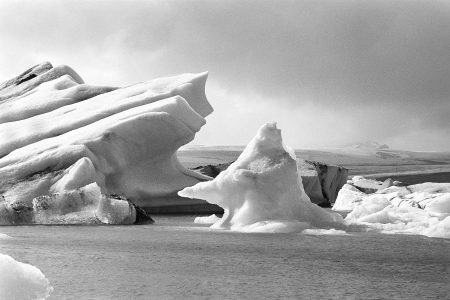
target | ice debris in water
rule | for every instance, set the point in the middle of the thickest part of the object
(22, 281)
(262, 190)
(416, 209)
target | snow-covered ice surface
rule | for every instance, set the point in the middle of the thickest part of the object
(22, 281)
(348, 198)
(262, 190)
(58, 135)
(416, 209)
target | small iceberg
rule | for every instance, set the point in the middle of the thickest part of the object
(416, 209)
(22, 281)
(262, 190)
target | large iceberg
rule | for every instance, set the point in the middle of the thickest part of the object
(416, 209)
(262, 190)
(60, 138)
(22, 281)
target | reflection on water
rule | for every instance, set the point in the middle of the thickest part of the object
(178, 259)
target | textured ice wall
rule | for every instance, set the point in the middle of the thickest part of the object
(58, 134)
(262, 191)
(22, 281)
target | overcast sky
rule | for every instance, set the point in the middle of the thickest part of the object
(329, 72)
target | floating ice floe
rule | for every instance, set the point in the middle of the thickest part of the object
(22, 281)
(207, 220)
(324, 232)
(416, 209)
(262, 190)
(60, 137)
(4, 236)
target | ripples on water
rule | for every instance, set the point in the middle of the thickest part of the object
(176, 259)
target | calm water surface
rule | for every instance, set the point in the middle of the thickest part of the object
(176, 259)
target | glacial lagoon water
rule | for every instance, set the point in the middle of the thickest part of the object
(177, 259)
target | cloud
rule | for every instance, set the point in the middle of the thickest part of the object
(345, 70)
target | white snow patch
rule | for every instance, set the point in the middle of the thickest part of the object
(22, 281)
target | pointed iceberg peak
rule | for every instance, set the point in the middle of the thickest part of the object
(269, 137)
(262, 191)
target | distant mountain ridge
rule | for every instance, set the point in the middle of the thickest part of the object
(368, 145)
(358, 160)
